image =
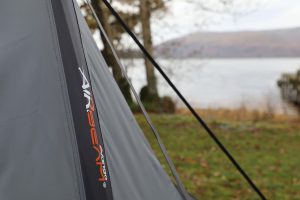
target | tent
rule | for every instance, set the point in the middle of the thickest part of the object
(66, 132)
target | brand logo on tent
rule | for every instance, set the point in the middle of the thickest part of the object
(90, 108)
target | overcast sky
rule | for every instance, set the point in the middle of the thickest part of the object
(184, 18)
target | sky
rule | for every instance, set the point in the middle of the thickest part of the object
(271, 14)
(183, 17)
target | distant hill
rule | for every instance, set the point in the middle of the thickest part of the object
(246, 44)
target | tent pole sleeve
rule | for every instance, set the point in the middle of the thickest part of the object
(147, 117)
(188, 105)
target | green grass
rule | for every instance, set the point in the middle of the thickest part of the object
(268, 151)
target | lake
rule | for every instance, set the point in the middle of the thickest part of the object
(222, 83)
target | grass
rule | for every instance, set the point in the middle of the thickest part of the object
(268, 150)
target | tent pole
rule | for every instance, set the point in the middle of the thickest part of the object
(192, 110)
(147, 117)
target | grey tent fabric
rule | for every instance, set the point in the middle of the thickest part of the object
(126, 144)
(39, 158)
(43, 156)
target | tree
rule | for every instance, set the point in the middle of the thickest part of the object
(103, 15)
(114, 32)
(146, 7)
(145, 13)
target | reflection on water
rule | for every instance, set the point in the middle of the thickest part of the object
(227, 83)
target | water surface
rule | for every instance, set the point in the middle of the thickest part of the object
(227, 83)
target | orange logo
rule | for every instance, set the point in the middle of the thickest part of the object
(100, 160)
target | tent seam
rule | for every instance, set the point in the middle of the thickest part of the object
(91, 82)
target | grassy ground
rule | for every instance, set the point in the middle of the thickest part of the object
(268, 150)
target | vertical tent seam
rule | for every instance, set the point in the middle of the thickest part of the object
(91, 83)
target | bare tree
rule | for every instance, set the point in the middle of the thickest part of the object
(103, 15)
(145, 13)
(114, 32)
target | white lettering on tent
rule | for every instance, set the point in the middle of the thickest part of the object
(85, 87)
(90, 107)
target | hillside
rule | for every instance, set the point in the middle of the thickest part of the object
(246, 44)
